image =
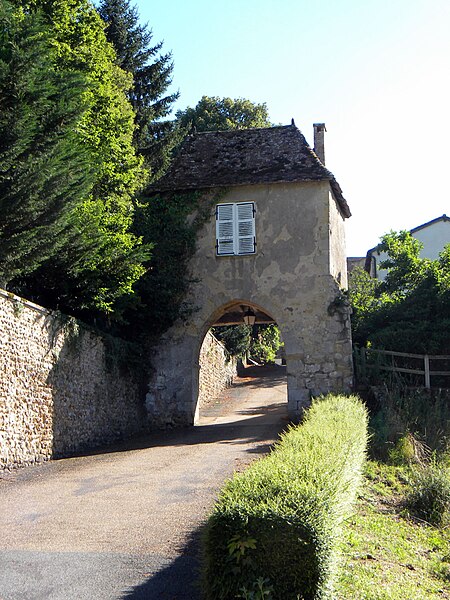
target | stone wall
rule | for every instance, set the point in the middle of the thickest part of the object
(217, 370)
(58, 393)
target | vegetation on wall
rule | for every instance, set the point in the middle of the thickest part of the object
(160, 293)
(410, 310)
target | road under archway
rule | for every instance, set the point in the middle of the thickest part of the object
(124, 523)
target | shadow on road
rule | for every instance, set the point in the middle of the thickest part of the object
(179, 580)
(254, 428)
(265, 376)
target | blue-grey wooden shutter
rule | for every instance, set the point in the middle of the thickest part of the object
(225, 229)
(245, 228)
(235, 228)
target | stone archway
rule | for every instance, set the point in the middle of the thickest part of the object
(231, 313)
(316, 342)
(272, 236)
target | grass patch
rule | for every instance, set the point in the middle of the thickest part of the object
(385, 554)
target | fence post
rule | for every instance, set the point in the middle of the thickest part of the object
(426, 361)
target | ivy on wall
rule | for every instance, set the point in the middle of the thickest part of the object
(171, 221)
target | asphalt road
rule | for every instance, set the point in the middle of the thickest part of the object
(124, 523)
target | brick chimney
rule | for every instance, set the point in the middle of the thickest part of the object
(319, 141)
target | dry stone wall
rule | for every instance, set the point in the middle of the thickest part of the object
(58, 393)
(58, 396)
(217, 370)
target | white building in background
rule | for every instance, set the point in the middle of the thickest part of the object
(434, 235)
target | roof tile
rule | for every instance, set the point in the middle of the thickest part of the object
(246, 156)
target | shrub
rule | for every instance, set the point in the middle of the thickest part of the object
(409, 450)
(426, 415)
(429, 499)
(279, 521)
(265, 345)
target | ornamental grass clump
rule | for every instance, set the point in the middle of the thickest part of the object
(429, 498)
(279, 521)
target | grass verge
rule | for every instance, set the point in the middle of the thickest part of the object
(385, 554)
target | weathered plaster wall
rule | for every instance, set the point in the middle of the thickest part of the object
(57, 396)
(217, 370)
(289, 277)
(338, 254)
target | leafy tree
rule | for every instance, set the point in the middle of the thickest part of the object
(404, 267)
(45, 169)
(265, 343)
(262, 342)
(364, 301)
(152, 76)
(236, 338)
(216, 114)
(410, 310)
(104, 258)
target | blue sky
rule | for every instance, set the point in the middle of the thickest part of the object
(376, 72)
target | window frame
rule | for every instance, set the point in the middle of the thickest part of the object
(236, 228)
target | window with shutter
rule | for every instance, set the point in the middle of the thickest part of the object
(225, 229)
(235, 229)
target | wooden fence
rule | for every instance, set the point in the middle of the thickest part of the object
(369, 363)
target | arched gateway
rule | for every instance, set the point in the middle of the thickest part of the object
(274, 241)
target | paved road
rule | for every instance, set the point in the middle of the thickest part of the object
(124, 523)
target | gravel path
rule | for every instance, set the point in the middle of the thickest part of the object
(124, 523)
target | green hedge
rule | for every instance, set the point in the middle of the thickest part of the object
(279, 521)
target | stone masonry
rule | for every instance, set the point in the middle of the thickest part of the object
(217, 370)
(296, 277)
(57, 394)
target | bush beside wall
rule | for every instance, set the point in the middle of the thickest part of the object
(280, 520)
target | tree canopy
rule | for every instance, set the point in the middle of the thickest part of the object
(410, 310)
(83, 121)
(217, 114)
(45, 169)
(155, 135)
(101, 258)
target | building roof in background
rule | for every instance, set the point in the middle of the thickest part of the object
(414, 230)
(370, 256)
(245, 157)
(432, 222)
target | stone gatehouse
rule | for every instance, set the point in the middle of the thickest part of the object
(274, 244)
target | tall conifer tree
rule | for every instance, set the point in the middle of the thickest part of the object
(155, 136)
(103, 258)
(45, 170)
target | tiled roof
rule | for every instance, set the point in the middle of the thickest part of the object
(247, 156)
